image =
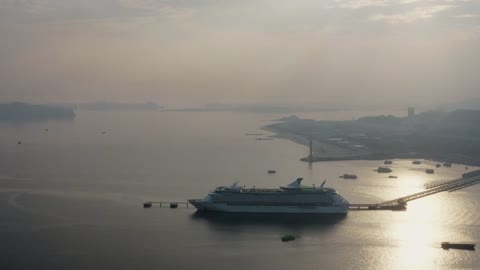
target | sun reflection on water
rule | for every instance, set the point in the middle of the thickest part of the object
(417, 233)
(415, 241)
(408, 182)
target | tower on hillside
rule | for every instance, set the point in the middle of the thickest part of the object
(411, 112)
(310, 155)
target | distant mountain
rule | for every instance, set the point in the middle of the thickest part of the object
(259, 108)
(18, 111)
(107, 106)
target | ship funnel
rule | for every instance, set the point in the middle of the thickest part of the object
(294, 185)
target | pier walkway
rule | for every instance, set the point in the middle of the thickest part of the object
(468, 179)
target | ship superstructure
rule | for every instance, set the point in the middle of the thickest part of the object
(293, 198)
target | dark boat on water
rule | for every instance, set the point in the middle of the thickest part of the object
(348, 176)
(288, 237)
(147, 204)
(448, 245)
(383, 170)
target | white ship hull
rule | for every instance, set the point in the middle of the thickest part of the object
(219, 207)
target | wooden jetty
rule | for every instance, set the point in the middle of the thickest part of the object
(398, 204)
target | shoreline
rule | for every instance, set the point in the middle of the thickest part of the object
(338, 156)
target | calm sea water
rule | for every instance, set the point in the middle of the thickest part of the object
(71, 198)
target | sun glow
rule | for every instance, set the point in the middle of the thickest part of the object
(418, 235)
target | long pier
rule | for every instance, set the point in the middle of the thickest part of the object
(398, 204)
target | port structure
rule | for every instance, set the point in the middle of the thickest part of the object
(398, 204)
(468, 179)
(166, 204)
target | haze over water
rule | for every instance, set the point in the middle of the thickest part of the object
(71, 198)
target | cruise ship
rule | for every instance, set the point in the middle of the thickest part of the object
(293, 198)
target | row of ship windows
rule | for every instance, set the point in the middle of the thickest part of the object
(297, 204)
(274, 198)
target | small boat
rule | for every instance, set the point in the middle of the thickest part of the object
(386, 162)
(383, 170)
(416, 162)
(392, 176)
(448, 245)
(349, 176)
(429, 171)
(288, 237)
(19, 142)
(147, 204)
(264, 139)
(438, 165)
(271, 171)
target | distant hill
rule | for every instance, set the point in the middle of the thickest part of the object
(107, 106)
(18, 111)
(259, 108)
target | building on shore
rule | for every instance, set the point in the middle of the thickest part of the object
(411, 112)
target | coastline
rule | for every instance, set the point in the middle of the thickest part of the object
(332, 152)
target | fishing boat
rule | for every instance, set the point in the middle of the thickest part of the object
(383, 170)
(348, 176)
(448, 245)
(288, 237)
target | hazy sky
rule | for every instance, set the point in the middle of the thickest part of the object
(188, 52)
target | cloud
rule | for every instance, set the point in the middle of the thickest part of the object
(466, 16)
(356, 4)
(86, 10)
(28, 6)
(418, 13)
(237, 51)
